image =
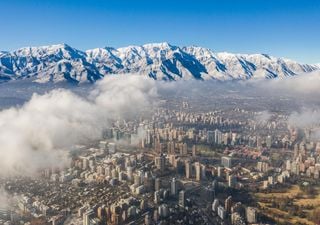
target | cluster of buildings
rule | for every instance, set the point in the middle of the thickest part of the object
(239, 214)
(304, 162)
(154, 172)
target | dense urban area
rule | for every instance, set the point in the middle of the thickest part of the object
(181, 165)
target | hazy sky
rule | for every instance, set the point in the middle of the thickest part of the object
(284, 28)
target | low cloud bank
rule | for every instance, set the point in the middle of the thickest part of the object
(36, 135)
(305, 118)
(302, 85)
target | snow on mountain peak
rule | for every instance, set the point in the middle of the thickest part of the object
(161, 61)
(160, 45)
(64, 50)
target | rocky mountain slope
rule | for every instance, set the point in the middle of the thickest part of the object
(160, 61)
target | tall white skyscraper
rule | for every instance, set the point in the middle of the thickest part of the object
(218, 137)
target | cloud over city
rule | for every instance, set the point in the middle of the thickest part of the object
(36, 134)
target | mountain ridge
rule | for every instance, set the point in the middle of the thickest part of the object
(160, 61)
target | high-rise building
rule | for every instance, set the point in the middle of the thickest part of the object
(215, 205)
(234, 137)
(156, 215)
(173, 187)
(147, 219)
(271, 180)
(171, 149)
(87, 216)
(239, 208)
(85, 163)
(197, 166)
(221, 212)
(143, 205)
(137, 180)
(232, 181)
(148, 137)
(288, 165)
(268, 141)
(157, 145)
(185, 148)
(295, 168)
(203, 171)
(157, 184)
(156, 197)
(217, 137)
(220, 171)
(115, 218)
(129, 173)
(160, 162)
(226, 138)
(191, 134)
(100, 170)
(262, 166)
(295, 151)
(258, 142)
(124, 215)
(210, 137)
(194, 151)
(81, 210)
(101, 212)
(163, 210)
(228, 204)
(188, 169)
(236, 219)
(226, 161)
(182, 199)
(251, 215)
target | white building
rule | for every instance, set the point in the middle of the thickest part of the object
(221, 212)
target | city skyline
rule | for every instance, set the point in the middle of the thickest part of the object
(159, 112)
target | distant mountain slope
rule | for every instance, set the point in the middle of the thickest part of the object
(160, 61)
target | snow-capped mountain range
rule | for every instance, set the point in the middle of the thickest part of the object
(160, 61)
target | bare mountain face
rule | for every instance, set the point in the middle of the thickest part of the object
(160, 61)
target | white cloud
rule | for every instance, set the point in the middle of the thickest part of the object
(302, 84)
(32, 136)
(36, 135)
(304, 119)
(263, 117)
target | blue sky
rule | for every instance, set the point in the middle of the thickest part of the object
(284, 28)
